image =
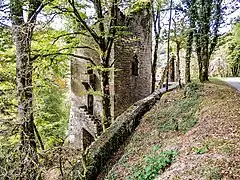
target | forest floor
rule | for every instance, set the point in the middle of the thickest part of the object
(193, 133)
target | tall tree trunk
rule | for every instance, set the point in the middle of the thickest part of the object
(189, 53)
(172, 69)
(22, 34)
(192, 10)
(178, 79)
(154, 65)
(22, 38)
(200, 68)
(168, 49)
(205, 61)
(106, 103)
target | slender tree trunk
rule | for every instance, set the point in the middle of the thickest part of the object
(154, 65)
(22, 35)
(172, 69)
(106, 103)
(205, 65)
(200, 68)
(192, 9)
(168, 49)
(22, 38)
(189, 54)
(178, 79)
(157, 29)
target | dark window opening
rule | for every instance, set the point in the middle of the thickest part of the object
(135, 65)
(89, 70)
(90, 104)
(87, 138)
(92, 81)
(86, 85)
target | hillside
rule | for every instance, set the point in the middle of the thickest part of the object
(189, 134)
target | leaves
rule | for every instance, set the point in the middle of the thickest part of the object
(154, 164)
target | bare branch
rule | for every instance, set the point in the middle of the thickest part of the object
(65, 54)
(78, 16)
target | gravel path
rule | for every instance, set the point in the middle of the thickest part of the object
(233, 81)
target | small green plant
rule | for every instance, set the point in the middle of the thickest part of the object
(154, 164)
(201, 150)
(192, 89)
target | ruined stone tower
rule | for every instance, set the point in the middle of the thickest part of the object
(130, 80)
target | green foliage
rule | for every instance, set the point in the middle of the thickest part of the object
(5, 39)
(233, 50)
(51, 110)
(192, 89)
(154, 164)
(52, 115)
(138, 6)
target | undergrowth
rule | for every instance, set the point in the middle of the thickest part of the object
(181, 116)
(154, 164)
(210, 151)
(144, 157)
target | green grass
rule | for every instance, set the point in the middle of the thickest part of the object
(182, 115)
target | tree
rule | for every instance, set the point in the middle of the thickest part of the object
(156, 10)
(179, 28)
(106, 20)
(22, 32)
(168, 43)
(208, 20)
(233, 49)
(191, 11)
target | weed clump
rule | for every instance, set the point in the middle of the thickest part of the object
(192, 89)
(154, 164)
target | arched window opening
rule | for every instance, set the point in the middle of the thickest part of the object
(135, 65)
(90, 103)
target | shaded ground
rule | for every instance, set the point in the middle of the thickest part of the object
(198, 129)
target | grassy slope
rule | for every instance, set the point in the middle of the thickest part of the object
(191, 136)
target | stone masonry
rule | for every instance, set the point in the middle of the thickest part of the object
(130, 80)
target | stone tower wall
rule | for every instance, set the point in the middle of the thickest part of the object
(79, 115)
(125, 88)
(130, 88)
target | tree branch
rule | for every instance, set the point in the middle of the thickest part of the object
(78, 16)
(68, 34)
(65, 54)
(39, 137)
(112, 28)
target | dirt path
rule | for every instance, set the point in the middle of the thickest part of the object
(233, 81)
